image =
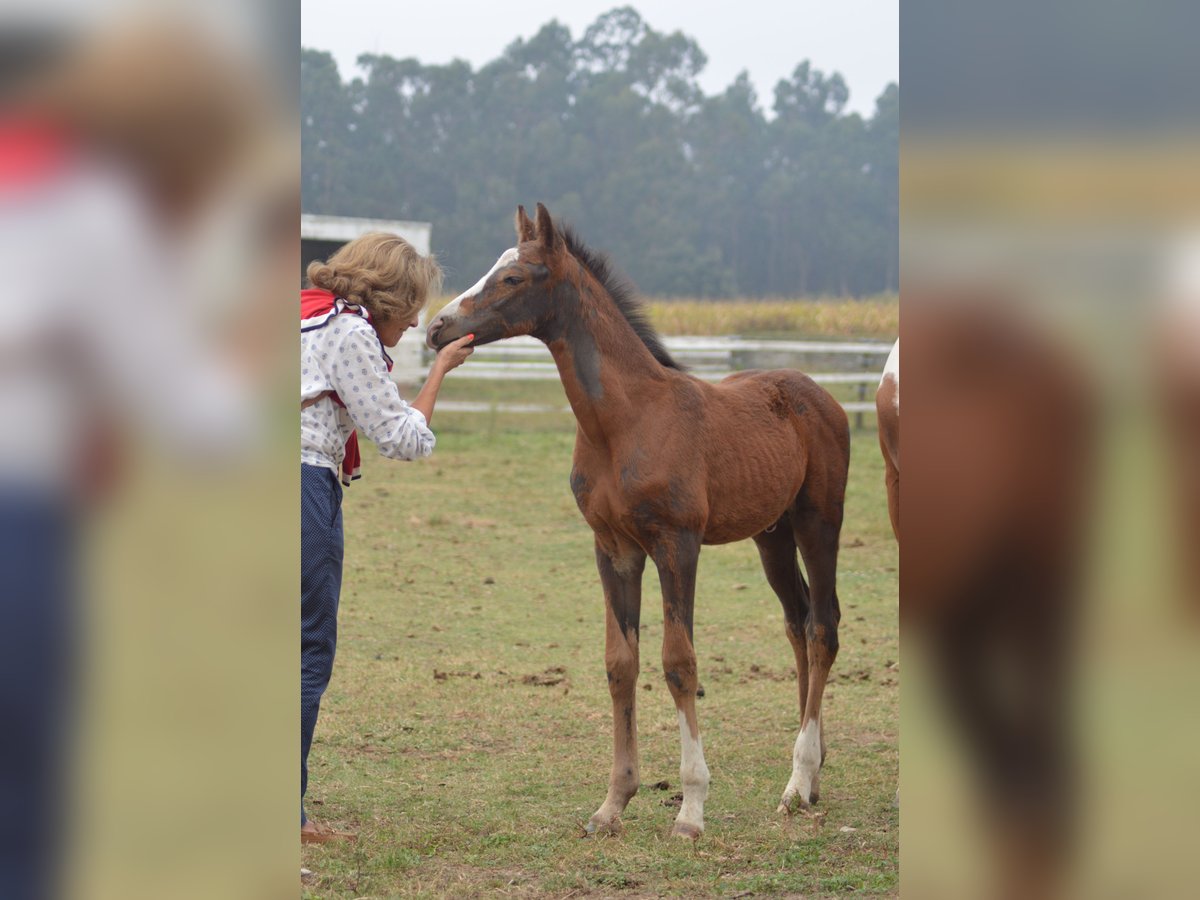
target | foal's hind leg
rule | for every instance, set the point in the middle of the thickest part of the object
(676, 557)
(622, 580)
(816, 533)
(777, 550)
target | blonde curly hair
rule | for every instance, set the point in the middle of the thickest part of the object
(381, 272)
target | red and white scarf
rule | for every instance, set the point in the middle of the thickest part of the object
(31, 153)
(317, 309)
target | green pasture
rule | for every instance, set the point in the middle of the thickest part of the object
(466, 735)
(876, 318)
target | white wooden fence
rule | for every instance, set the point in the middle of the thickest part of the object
(711, 358)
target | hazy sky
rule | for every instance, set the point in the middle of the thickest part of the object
(768, 38)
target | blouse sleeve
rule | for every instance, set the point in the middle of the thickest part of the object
(359, 375)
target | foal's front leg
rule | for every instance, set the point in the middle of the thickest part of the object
(622, 580)
(676, 558)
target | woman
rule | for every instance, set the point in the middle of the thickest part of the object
(120, 148)
(362, 300)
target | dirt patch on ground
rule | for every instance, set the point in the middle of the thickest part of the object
(550, 677)
(762, 673)
(886, 675)
(674, 801)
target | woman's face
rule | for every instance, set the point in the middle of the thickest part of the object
(391, 330)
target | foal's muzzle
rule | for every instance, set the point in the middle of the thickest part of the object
(431, 336)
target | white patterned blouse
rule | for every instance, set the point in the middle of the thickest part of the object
(344, 355)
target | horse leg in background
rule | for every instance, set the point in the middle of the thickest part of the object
(816, 534)
(1002, 659)
(892, 483)
(777, 550)
(622, 581)
(887, 409)
(676, 556)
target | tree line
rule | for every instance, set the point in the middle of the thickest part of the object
(692, 195)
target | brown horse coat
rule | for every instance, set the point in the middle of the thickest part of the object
(664, 463)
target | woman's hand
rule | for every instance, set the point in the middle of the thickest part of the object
(455, 353)
(449, 357)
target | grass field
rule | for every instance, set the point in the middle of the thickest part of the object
(820, 317)
(466, 735)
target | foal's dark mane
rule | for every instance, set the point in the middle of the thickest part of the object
(622, 293)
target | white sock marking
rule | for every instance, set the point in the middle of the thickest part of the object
(806, 761)
(693, 772)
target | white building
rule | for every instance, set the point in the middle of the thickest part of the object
(321, 236)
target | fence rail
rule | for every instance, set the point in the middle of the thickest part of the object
(709, 358)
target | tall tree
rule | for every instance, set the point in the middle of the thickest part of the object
(691, 194)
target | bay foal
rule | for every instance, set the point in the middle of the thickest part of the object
(664, 463)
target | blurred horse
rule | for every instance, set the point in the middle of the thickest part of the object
(1001, 441)
(887, 410)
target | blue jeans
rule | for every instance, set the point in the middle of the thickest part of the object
(38, 642)
(321, 550)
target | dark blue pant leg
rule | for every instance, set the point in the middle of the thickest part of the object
(320, 586)
(37, 689)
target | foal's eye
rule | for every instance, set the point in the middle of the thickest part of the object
(512, 279)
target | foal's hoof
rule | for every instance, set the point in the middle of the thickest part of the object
(596, 828)
(686, 830)
(793, 803)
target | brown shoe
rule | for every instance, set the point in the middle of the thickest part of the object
(315, 833)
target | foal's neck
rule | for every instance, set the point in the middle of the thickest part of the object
(602, 362)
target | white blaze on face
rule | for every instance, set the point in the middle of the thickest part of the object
(451, 308)
(891, 369)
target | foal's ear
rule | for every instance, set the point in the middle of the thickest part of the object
(525, 226)
(546, 232)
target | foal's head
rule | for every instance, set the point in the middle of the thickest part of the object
(516, 295)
